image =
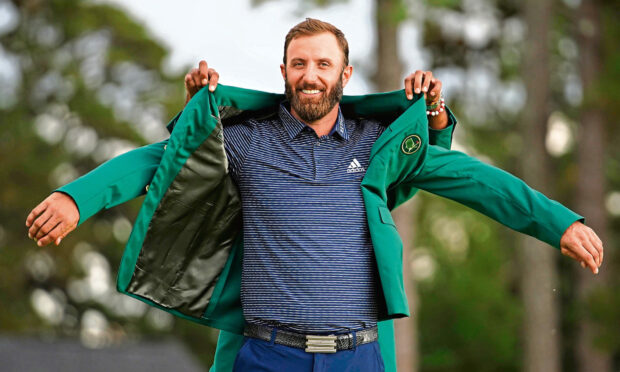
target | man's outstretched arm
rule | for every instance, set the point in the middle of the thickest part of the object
(508, 200)
(112, 183)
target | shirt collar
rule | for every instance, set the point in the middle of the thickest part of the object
(294, 126)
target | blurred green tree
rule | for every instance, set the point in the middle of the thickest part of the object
(84, 83)
(493, 116)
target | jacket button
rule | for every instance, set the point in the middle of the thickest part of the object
(165, 146)
(147, 188)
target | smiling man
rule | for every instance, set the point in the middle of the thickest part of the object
(315, 76)
(315, 175)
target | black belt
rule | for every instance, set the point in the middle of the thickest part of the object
(312, 343)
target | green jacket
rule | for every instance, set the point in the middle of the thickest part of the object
(185, 250)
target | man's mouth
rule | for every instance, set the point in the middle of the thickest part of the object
(311, 92)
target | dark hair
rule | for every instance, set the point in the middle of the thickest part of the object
(313, 26)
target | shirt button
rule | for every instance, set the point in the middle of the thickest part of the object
(147, 188)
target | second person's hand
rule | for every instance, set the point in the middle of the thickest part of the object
(423, 82)
(199, 77)
(52, 219)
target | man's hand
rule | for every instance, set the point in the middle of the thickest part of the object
(423, 81)
(53, 219)
(581, 243)
(197, 78)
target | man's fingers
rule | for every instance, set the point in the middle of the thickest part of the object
(577, 251)
(588, 257)
(422, 82)
(56, 234)
(40, 221)
(591, 249)
(435, 88)
(214, 77)
(417, 81)
(51, 236)
(597, 243)
(35, 213)
(574, 256)
(65, 233)
(200, 77)
(409, 86)
(571, 254)
(189, 82)
(204, 72)
(426, 81)
(47, 227)
(197, 83)
(576, 238)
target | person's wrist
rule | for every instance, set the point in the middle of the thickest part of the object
(436, 108)
(432, 105)
(433, 100)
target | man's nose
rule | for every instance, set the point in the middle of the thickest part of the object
(311, 75)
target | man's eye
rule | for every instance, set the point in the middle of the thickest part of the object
(325, 64)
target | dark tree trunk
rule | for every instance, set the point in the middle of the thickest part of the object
(389, 69)
(591, 180)
(537, 261)
(406, 329)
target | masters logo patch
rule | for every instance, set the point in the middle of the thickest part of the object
(411, 144)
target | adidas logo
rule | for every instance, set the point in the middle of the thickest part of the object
(355, 167)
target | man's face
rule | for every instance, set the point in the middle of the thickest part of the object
(314, 75)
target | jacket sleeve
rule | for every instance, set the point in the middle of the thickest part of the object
(493, 192)
(443, 137)
(116, 181)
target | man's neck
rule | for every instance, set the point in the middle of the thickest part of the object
(322, 126)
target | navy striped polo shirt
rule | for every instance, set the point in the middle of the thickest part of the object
(308, 263)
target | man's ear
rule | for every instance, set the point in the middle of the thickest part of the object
(283, 71)
(346, 75)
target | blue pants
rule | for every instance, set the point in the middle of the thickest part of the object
(257, 355)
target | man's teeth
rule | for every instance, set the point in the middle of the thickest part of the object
(310, 91)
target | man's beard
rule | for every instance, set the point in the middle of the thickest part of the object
(312, 110)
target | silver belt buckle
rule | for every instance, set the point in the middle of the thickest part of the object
(320, 344)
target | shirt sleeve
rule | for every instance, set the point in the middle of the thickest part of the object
(238, 139)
